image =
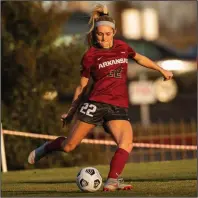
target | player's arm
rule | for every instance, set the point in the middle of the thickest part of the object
(79, 92)
(146, 62)
(86, 63)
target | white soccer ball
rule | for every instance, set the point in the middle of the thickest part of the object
(89, 179)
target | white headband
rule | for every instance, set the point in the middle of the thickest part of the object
(108, 23)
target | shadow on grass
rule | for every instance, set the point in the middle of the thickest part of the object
(74, 193)
(126, 180)
(65, 193)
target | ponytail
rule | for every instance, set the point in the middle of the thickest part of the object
(100, 13)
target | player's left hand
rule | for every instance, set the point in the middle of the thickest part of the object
(168, 75)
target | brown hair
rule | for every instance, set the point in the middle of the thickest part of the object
(100, 13)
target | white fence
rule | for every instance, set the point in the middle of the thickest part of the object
(87, 141)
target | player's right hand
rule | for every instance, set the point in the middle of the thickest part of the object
(66, 119)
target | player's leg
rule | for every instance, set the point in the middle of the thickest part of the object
(89, 115)
(107, 130)
(122, 133)
(79, 131)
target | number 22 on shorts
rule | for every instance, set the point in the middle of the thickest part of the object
(88, 109)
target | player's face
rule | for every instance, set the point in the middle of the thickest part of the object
(104, 36)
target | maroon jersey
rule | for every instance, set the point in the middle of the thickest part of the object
(108, 68)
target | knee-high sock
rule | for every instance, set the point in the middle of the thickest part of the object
(54, 145)
(118, 162)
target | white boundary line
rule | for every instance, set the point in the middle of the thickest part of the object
(104, 142)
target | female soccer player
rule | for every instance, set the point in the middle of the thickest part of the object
(106, 61)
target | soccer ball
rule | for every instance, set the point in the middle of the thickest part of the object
(89, 179)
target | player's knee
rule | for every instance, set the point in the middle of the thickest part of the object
(69, 147)
(126, 146)
(130, 147)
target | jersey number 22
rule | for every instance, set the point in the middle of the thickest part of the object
(88, 109)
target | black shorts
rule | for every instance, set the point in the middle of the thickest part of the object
(99, 113)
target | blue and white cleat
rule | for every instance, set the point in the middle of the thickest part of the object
(37, 154)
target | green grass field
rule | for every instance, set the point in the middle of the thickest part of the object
(167, 179)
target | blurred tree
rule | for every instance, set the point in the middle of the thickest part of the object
(33, 65)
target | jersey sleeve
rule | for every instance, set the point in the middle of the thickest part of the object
(86, 63)
(131, 52)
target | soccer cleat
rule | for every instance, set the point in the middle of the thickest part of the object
(37, 154)
(116, 184)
